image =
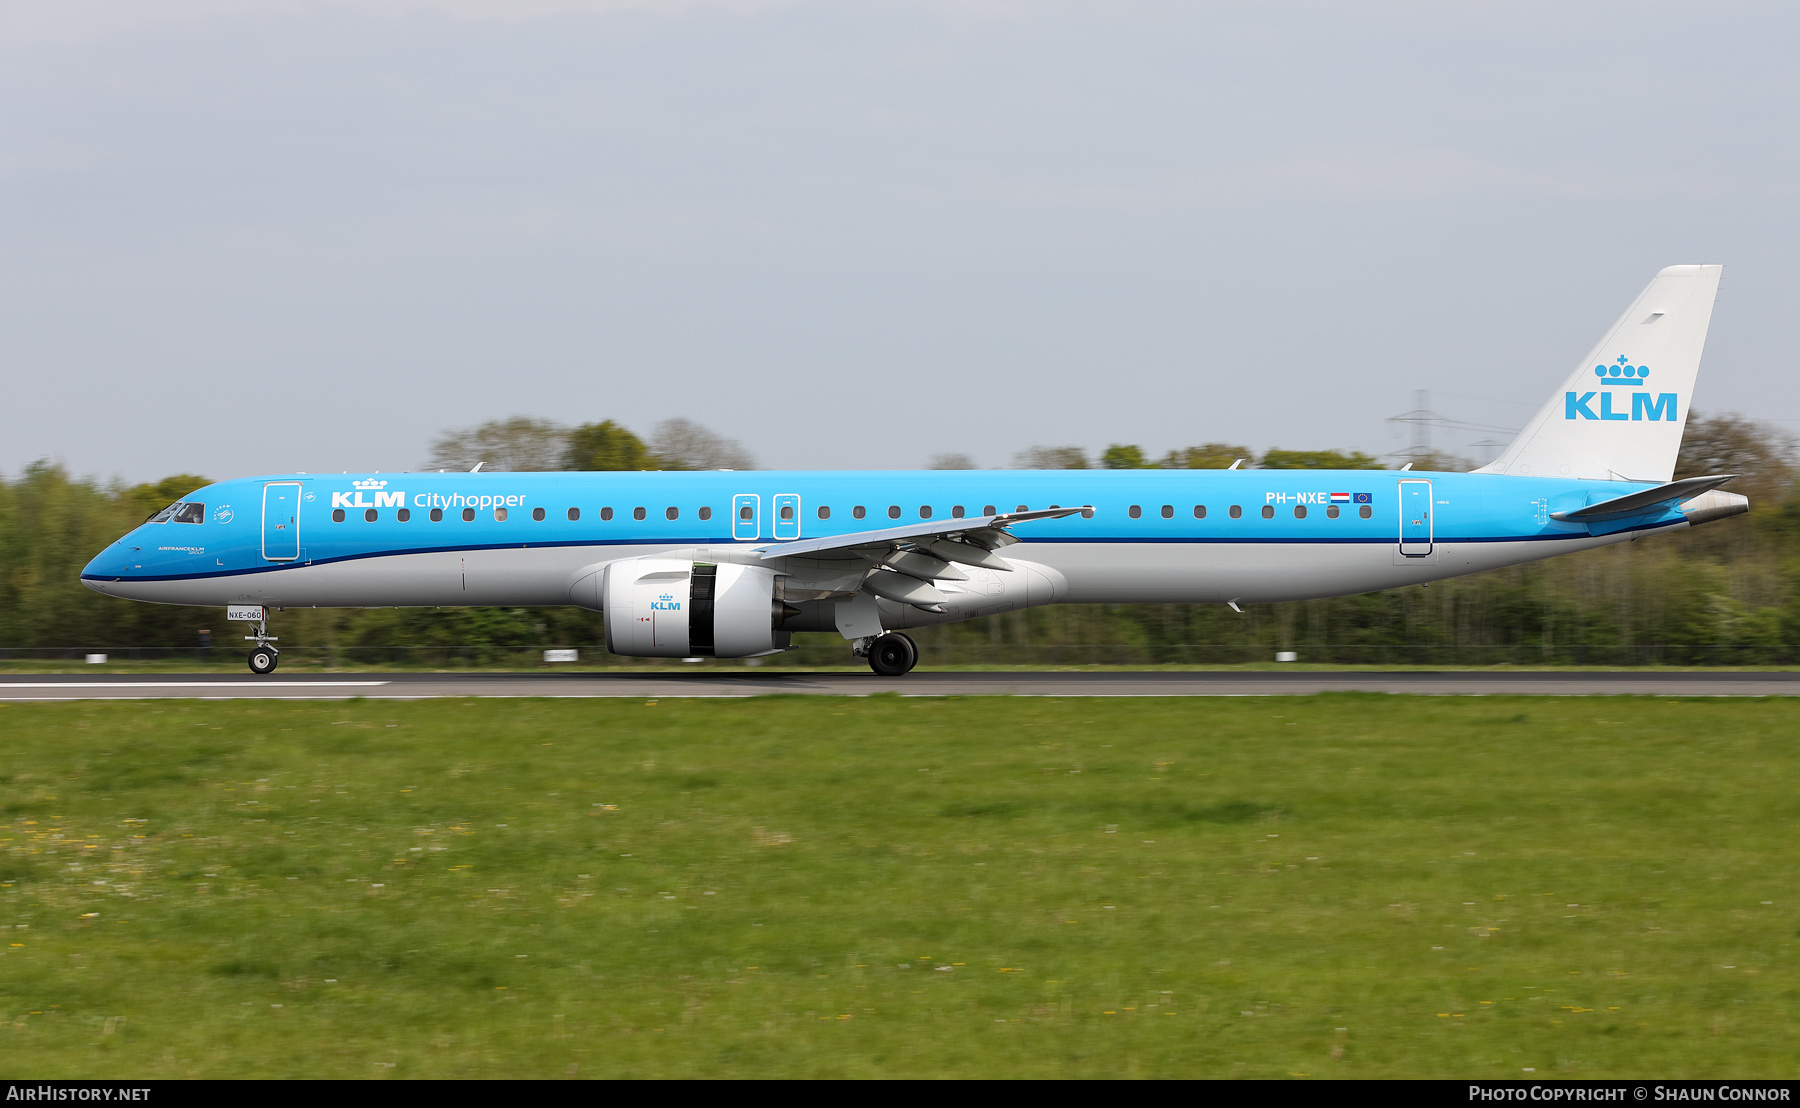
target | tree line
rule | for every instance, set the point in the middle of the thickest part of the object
(1725, 593)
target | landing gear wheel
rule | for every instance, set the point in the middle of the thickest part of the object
(893, 655)
(262, 660)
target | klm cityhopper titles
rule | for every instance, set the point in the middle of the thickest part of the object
(731, 564)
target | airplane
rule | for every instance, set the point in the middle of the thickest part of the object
(731, 564)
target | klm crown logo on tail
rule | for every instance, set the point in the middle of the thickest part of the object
(1576, 405)
(1622, 374)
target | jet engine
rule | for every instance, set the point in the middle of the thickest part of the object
(664, 608)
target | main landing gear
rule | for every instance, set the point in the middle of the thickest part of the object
(890, 655)
(263, 659)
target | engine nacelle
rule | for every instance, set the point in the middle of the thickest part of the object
(664, 608)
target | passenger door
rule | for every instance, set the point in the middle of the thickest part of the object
(281, 521)
(1415, 518)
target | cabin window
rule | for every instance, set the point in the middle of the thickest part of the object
(437, 515)
(1087, 513)
(500, 515)
(638, 513)
(606, 515)
(537, 514)
(1268, 511)
(1299, 511)
(1236, 512)
(1365, 511)
(956, 511)
(705, 514)
(189, 512)
(574, 514)
(987, 509)
(1199, 511)
(893, 511)
(787, 511)
(337, 515)
(468, 515)
(1021, 508)
(1168, 511)
(1134, 511)
(371, 515)
(1331, 512)
(746, 512)
(924, 511)
(403, 514)
(858, 512)
(824, 512)
(672, 513)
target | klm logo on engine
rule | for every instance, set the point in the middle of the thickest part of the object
(666, 603)
(1621, 374)
(373, 487)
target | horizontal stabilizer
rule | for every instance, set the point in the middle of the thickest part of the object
(1637, 503)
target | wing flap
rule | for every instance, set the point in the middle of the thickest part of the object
(987, 532)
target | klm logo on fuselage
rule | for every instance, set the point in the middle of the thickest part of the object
(665, 603)
(1579, 405)
(370, 488)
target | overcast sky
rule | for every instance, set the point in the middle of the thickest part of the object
(239, 237)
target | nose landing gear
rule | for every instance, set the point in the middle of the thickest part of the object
(892, 654)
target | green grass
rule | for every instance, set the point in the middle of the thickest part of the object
(1334, 886)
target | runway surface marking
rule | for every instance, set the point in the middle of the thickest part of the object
(4, 685)
(1052, 684)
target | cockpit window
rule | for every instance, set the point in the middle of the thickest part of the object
(182, 511)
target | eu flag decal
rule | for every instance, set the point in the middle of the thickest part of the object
(1365, 498)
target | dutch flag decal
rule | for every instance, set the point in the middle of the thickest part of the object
(1340, 498)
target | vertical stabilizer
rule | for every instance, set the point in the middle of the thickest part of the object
(1620, 415)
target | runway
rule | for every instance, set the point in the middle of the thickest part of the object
(650, 686)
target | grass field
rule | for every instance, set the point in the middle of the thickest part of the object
(1329, 886)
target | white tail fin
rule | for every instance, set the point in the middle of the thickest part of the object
(1620, 415)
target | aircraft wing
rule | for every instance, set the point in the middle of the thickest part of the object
(986, 532)
(912, 564)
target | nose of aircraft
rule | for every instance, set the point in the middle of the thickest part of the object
(109, 565)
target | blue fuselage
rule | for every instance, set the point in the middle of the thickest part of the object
(1162, 535)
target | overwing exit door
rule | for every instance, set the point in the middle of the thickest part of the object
(786, 524)
(746, 513)
(281, 521)
(1415, 518)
